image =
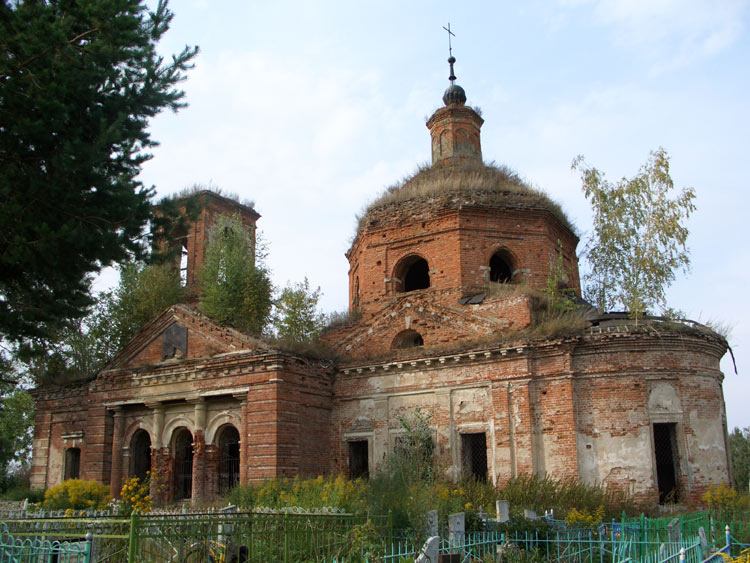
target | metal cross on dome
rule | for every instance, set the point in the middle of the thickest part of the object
(450, 33)
(451, 58)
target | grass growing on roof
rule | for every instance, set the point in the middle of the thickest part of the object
(466, 183)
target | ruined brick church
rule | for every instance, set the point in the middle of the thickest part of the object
(445, 274)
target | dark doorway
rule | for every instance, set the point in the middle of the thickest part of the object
(358, 459)
(183, 464)
(72, 463)
(229, 459)
(501, 270)
(665, 453)
(414, 274)
(474, 449)
(140, 448)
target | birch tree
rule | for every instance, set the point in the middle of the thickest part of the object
(639, 236)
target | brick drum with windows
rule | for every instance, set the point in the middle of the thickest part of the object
(446, 284)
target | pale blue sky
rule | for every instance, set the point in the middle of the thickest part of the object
(311, 108)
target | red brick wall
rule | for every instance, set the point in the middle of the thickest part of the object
(457, 245)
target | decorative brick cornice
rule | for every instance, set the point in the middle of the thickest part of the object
(437, 361)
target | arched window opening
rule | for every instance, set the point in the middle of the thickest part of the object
(414, 273)
(229, 459)
(407, 339)
(501, 268)
(72, 463)
(417, 276)
(183, 464)
(140, 448)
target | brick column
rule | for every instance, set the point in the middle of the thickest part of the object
(199, 453)
(158, 474)
(242, 398)
(115, 479)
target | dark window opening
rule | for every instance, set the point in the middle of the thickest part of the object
(72, 463)
(183, 464)
(229, 459)
(183, 264)
(358, 460)
(501, 270)
(140, 454)
(665, 452)
(474, 449)
(407, 339)
(417, 276)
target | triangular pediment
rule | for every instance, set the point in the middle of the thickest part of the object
(434, 322)
(181, 333)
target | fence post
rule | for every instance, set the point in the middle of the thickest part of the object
(729, 539)
(286, 539)
(133, 539)
(87, 549)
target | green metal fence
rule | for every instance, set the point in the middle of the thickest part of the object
(291, 536)
(216, 537)
(36, 549)
(251, 536)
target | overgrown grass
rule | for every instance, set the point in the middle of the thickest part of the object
(564, 495)
(402, 491)
(312, 349)
(319, 492)
(341, 318)
(196, 189)
(475, 183)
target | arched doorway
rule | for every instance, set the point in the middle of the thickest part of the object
(413, 272)
(140, 454)
(182, 448)
(229, 459)
(501, 267)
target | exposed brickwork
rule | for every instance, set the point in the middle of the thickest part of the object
(457, 245)
(211, 205)
(583, 406)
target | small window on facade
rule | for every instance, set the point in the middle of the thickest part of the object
(72, 463)
(358, 459)
(474, 450)
(407, 339)
(413, 273)
(501, 267)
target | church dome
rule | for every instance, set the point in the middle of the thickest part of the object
(454, 95)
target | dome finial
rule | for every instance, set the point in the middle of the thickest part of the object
(451, 58)
(454, 95)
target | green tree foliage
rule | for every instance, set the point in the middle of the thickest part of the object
(79, 82)
(639, 236)
(739, 446)
(144, 292)
(82, 347)
(16, 420)
(402, 481)
(235, 286)
(296, 317)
